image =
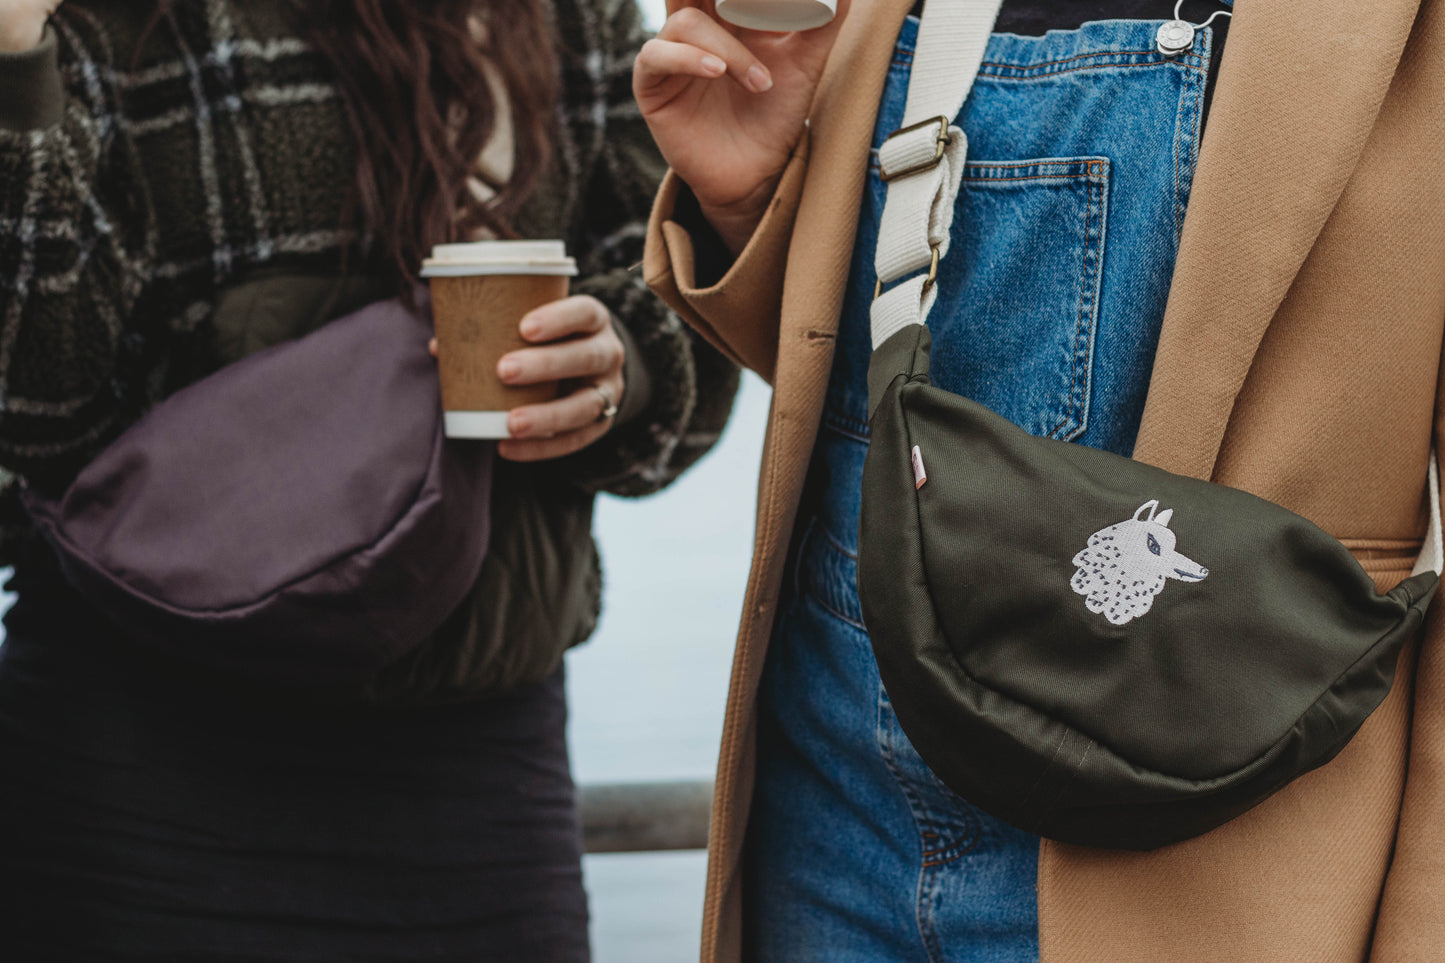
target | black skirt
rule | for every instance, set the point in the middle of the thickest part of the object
(152, 811)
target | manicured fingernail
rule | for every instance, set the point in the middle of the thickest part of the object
(713, 65)
(509, 369)
(759, 80)
(530, 327)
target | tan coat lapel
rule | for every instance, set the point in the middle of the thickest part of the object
(841, 130)
(1271, 169)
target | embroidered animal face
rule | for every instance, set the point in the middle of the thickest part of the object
(1127, 564)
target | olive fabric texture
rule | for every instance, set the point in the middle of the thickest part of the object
(1092, 648)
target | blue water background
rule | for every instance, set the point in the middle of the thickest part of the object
(647, 692)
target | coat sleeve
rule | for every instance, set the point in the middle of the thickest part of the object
(739, 311)
(679, 389)
(75, 252)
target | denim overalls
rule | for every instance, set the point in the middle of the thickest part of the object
(1082, 146)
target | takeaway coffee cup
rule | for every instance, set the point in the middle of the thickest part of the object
(782, 16)
(480, 292)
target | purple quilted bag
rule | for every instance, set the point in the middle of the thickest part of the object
(297, 517)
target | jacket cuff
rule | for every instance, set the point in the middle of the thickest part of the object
(636, 378)
(738, 312)
(32, 93)
(711, 258)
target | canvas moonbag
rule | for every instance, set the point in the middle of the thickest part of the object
(296, 517)
(1085, 646)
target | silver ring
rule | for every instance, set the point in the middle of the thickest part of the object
(609, 407)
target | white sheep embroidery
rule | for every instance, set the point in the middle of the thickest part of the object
(1126, 565)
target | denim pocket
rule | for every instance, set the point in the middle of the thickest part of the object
(1018, 305)
(827, 573)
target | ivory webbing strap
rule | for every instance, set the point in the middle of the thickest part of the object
(922, 162)
(1432, 553)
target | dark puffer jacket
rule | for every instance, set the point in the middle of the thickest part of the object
(155, 207)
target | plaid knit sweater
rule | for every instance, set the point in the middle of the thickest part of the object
(135, 187)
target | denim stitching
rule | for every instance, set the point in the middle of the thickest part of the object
(1083, 345)
(1064, 169)
(833, 611)
(929, 879)
(1107, 59)
(904, 57)
(845, 425)
(941, 850)
(1186, 138)
(802, 556)
(884, 739)
(1098, 243)
(1013, 180)
(890, 762)
(1178, 133)
(837, 544)
(819, 598)
(945, 850)
(813, 584)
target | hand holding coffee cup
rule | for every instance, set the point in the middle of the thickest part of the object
(727, 105)
(572, 341)
(508, 337)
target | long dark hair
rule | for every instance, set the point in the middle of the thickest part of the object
(413, 77)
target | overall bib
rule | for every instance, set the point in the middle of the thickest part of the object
(1082, 146)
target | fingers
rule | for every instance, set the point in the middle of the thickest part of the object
(661, 60)
(579, 314)
(708, 7)
(513, 449)
(692, 27)
(586, 357)
(574, 340)
(558, 427)
(580, 409)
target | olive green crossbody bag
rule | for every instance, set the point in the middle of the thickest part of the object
(1088, 647)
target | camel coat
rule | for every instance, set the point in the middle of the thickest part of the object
(1300, 360)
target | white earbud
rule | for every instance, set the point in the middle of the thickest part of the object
(1176, 36)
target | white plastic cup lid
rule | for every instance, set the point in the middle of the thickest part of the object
(499, 257)
(782, 16)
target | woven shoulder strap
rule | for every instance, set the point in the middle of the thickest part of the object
(922, 162)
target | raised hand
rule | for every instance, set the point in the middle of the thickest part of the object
(727, 106)
(22, 23)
